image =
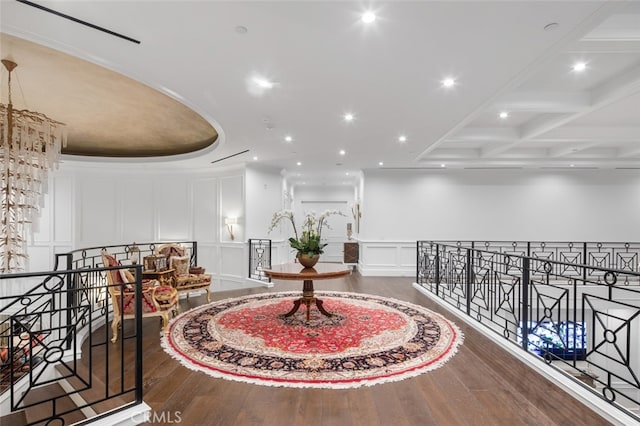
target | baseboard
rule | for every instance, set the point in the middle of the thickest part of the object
(386, 272)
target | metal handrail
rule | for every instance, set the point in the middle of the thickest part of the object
(544, 306)
(53, 330)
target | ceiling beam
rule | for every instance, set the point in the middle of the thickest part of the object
(631, 151)
(548, 102)
(561, 45)
(623, 85)
(485, 134)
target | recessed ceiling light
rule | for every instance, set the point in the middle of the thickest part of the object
(343, 152)
(299, 163)
(255, 158)
(443, 165)
(380, 163)
(368, 17)
(503, 115)
(263, 82)
(348, 117)
(288, 138)
(572, 165)
(402, 138)
(346, 173)
(579, 66)
(448, 82)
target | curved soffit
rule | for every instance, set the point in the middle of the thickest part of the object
(106, 113)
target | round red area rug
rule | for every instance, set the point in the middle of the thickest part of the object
(367, 340)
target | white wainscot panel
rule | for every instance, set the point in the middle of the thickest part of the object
(232, 261)
(98, 211)
(40, 258)
(63, 209)
(137, 212)
(205, 207)
(41, 227)
(172, 209)
(375, 255)
(232, 205)
(407, 256)
(333, 252)
(284, 254)
(386, 258)
(207, 258)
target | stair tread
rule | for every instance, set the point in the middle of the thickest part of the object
(41, 411)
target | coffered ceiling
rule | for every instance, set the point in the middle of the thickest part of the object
(322, 61)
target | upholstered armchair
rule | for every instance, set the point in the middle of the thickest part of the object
(187, 278)
(157, 300)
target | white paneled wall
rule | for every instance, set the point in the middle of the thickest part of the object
(400, 207)
(205, 211)
(93, 206)
(53, 232)
(96, 206)
(172, 206)
(387, 258)
(232, 206)
(138, 219)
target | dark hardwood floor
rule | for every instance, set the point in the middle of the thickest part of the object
(481, 385)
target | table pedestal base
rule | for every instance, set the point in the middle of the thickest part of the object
(307, 298)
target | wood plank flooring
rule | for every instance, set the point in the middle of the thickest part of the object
(481, 385)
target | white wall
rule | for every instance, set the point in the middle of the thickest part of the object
(264, 197)
(502, 205)
(309, 198)
(400, 207)
(98, 204)
(91, 205)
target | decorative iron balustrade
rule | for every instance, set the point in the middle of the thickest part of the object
(259, 259)
(583, 319)
(621, 256)
(55, 338)
(91, 257)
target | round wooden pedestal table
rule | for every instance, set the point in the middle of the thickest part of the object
(295, 271)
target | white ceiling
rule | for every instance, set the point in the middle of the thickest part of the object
(326, 62)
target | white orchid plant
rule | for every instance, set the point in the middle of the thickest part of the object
(309, 241)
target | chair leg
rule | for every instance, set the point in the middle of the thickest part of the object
(114, 328)
(165, 323)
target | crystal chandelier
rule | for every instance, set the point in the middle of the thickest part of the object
(30, 144)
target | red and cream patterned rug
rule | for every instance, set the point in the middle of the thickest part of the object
(368, 340)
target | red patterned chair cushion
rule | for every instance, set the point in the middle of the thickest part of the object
(178, 259)
(164, 295)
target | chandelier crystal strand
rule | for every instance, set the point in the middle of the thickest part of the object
(30, 145)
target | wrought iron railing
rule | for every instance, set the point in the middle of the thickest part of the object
(91, 257)
(621, 256)
(51, 324)
(583, 319)
(259, 259)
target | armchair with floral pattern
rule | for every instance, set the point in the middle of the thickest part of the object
(187, 278)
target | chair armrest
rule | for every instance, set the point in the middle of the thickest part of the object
(164, 295)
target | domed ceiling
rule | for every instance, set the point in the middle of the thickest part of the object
(106, 114)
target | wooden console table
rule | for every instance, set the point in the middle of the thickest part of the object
(295, 271)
